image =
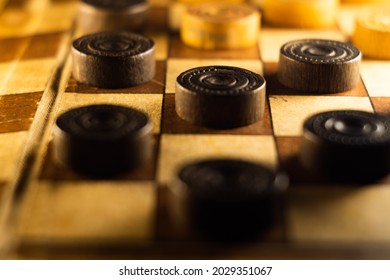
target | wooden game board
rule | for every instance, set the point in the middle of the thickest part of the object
(48, 211)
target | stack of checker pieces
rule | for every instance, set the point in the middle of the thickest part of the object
(63, 214)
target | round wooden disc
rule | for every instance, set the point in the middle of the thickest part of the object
(372, 33)
(113, 59)
(350, 146)
(111, 15)
(222, 197)
(177, 8)
(300, 13)
(102, 140)
(220, 96)
(220, 26)
(321, 66)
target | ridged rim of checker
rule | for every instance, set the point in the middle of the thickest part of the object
(323, 126)
(126, 44)
(114, 4)
(339, 52)
(125, 122)
(242, 81)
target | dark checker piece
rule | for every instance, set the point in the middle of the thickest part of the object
(112, 15)
(113, 59)
(320, 66)
(220, 96)
(349, 146)
(113, 4)
(102, 140)
(230, 199)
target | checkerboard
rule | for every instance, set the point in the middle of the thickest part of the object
(48, 211)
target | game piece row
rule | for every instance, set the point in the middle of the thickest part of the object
(122, 59)
(234, 24)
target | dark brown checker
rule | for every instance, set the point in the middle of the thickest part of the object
(129, 216)
(172, 123)
(270, 73)
(319, 66)
(156, 85)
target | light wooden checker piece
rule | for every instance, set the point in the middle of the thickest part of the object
(128, 215)
(303, 14)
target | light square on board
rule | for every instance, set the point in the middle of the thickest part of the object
(344, 214)
(26, 76)
(176, 150)
(272, 39)
(89, 211)
(12, 145)
(21, 21)
(288, 113)
(6, 71)
(151, 104)
(57, 16)
(375, 76)
(176, 66)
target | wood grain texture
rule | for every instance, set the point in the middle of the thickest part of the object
(276, 88)
(177, 66)
(220, 96)
(19, 112)
(62, 211)
(67, 215)
(319, 66)
(156, 85)
(113, 59)
(173, 124)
